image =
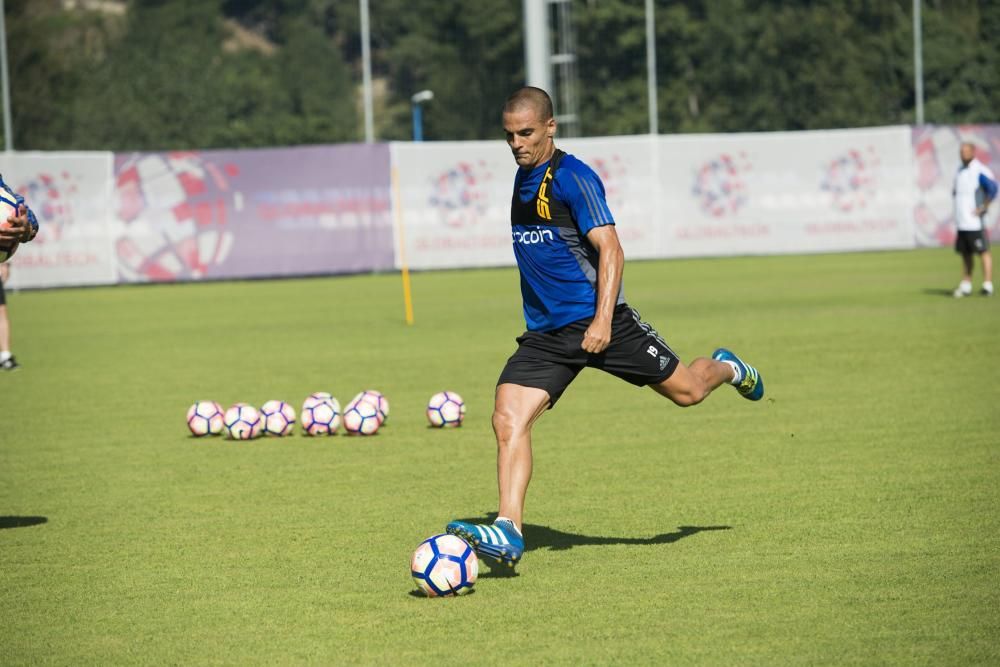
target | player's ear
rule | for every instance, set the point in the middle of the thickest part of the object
(550, 128)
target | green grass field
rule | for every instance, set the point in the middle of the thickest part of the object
(849, 518)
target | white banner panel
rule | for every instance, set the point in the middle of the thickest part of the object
(71, 195)
(455, 197)
(453, 200)
(628, 168)
(786, 192)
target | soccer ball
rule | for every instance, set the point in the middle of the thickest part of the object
(320, 414)
(376, 398)
(278, 418)
(242, 422)
(444, 565)
(361, 418)
(205, 418)
(445, 408)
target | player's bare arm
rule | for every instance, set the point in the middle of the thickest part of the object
(985, 207)
(609, 279)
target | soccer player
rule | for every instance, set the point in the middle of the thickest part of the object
(571, 265)
(23, 227)
(974, 188)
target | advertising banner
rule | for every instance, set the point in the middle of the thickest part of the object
(71, 195)
(454, 203)
(935, 150)
(455, 197)
(786, 192)
(628, 167)
(250, 213)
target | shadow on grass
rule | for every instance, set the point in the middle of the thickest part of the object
(939, 291)
(417, 593)
(544, 537)
(21, 521)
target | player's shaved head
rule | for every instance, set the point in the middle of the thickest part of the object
(967, 151)
(530, 98)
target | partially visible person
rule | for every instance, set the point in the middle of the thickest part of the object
(7, 360)
(22, 228)
(974, 189)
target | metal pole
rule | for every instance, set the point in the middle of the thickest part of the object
(8, 132)
(417, 99)
(418, 124)
(366, 60)
(537, 54)
(918, 61)
(654, 124)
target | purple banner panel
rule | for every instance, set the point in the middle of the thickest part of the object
(249, 213)
(935, 152)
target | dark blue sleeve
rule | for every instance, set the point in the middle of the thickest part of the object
(988, 185)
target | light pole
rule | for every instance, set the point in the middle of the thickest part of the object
(366, 73)
(918, 62)
(7, 128)
(418, 120)
(654, 120)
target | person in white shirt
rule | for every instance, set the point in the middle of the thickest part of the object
(974, 188)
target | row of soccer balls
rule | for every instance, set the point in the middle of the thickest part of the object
(320, 415)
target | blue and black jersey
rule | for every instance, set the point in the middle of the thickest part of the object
(553, 208)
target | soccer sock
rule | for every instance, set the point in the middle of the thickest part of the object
(508, 522)
(4, 355)
(736, 371)
(965, 286)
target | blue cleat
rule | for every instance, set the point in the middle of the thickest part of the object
(750, 384)
(499, 540)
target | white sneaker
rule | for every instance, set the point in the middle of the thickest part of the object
(987, 290)
(961, 291)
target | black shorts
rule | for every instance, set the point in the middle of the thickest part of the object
(551, 360)
(3, 297)
(969, 243)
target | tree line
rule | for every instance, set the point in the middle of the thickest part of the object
(170, 74)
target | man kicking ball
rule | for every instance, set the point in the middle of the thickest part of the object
(571, 266)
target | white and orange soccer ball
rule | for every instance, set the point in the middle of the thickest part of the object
(444, 565)
(242, 422)
(376, 398)
(361, 418)
(205, 418)
(278, 418)
(320, 414)
(445, 408)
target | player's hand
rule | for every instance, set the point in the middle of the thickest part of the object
(18, 227)
(597, 337)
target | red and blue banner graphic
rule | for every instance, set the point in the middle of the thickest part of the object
(238, 214)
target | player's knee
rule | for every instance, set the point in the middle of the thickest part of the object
(686, 399)
(508, 424)
(503, 424)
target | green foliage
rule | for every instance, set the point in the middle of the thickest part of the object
(232, 73)
(860, 496)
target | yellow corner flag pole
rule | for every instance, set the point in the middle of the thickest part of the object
(401, 235)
